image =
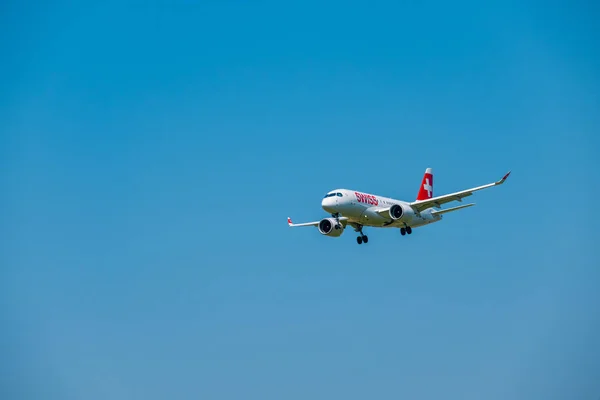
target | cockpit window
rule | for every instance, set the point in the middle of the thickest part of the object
(339, 194)
(329, 195)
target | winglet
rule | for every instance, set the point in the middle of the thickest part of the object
(501, 181)
(290, 221)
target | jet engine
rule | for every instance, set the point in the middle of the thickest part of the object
(396, 212)
(330, 227)
(401, 212)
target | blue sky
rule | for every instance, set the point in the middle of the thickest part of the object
(151, 153)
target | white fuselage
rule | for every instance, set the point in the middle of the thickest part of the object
(361, 208)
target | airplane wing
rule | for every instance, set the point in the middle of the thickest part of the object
(383, 211)
(421, 205)
(343, 221)
(314, 223)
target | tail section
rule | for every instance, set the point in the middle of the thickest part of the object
(426, 189)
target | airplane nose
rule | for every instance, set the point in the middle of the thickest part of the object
(328, 204)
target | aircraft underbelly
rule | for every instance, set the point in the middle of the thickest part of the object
(351, 211)
(371, 218)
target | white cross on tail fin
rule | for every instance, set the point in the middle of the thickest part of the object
(426, 189)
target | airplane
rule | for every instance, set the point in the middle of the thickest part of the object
(358, 209)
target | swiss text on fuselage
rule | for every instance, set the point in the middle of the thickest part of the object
(366, 198)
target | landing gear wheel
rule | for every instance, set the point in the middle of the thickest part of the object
(408, 230)
(362, 238)
(402, 231)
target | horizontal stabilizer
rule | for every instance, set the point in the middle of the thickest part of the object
(420, 205)
(438, 212)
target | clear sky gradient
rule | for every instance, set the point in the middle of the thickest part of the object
(150, 153)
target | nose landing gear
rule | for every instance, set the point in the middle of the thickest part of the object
(337, 220)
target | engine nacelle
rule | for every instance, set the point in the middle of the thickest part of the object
(330, 227)
(401, 212)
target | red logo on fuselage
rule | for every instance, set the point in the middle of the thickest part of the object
(366, 198)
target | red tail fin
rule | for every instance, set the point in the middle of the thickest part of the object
(426, 189)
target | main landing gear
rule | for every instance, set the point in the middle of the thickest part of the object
(404, 231)
(362, 238)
